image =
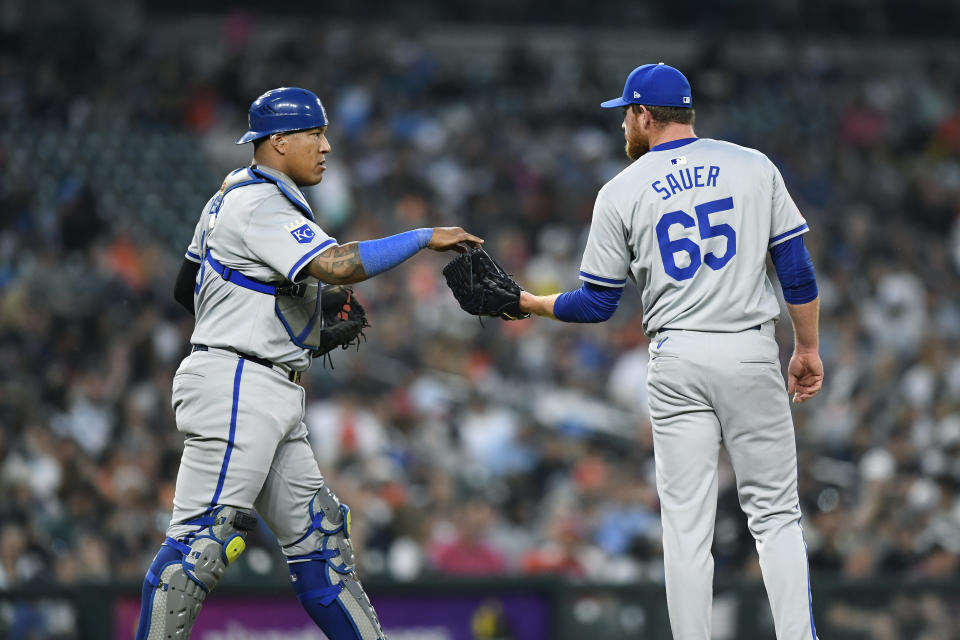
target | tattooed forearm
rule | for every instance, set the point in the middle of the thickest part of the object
(339, 265)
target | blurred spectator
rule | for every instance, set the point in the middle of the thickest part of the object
(461, 547)
(563, 551)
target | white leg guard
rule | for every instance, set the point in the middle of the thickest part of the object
(183, 573)
(323, 573)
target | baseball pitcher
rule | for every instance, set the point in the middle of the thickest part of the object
(690, 222)
(251, 276)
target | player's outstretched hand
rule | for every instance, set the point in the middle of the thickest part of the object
(455, 238)
(805, 373)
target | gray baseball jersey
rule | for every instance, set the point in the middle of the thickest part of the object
(259, 232)
(690, 222)
(689, 225)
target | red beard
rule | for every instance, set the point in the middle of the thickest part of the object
(636, 146)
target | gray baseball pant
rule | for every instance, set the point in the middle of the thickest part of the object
(246, 444)
(707, 390)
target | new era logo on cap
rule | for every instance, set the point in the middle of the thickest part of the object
(656, 85)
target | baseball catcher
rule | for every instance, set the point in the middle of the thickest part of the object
(253, 276)
(482, 287)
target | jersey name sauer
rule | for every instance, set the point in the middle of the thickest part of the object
(686, 178)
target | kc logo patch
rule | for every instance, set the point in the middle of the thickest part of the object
(302, 234)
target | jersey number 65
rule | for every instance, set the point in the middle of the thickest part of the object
(669, 248)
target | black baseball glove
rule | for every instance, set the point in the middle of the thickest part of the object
(344, 319)
(483, 288)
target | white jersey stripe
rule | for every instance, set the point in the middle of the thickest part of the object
(783, 237)
(607, 282)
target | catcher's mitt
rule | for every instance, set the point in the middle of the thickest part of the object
(483, 288)
(344, 319)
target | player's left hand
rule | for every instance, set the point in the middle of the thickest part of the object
(455, 238)
(344, 319)
(805, 376)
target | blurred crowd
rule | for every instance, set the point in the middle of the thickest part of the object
(463, 449)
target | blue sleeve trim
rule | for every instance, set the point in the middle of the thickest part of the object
(599, 280)
(590, 303)
(786, 234)
(795, 271)
(190, 255)
(382, 254)
(309, 254)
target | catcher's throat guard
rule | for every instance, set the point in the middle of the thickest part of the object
(298, 305)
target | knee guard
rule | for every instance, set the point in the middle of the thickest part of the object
(183, 573)
(325, 579)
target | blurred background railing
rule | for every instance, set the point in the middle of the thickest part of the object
(504, 609)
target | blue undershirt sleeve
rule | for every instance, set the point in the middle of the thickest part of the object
(382, 254)
(795, 271)
(589, 303)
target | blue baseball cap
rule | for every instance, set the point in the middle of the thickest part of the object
(284, 109)
(657, 85)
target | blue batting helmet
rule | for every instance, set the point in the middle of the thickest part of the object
(284, 109)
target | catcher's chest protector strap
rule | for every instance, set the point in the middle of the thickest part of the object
(253, 175)
(235, 277)
(296, 290)
(243, 178)
(297, 304)
(285, 190)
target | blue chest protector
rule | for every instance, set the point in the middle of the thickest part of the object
(297, 304)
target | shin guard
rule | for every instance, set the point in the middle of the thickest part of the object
(183, 573)
(325, 579)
